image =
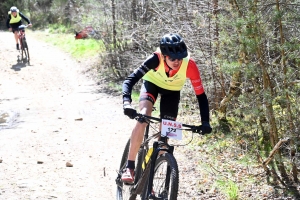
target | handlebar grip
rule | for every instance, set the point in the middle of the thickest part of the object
(134, 115)
(197, 129)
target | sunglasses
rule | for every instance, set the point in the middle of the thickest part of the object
(173, 59)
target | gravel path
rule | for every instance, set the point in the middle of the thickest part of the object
(53, 113)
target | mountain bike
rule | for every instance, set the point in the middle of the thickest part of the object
(23, 43)
(156, 171)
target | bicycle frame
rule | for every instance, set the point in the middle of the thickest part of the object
(158, 146)
(159, 166)
(23, 44)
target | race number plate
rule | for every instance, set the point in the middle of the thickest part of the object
(171, 129)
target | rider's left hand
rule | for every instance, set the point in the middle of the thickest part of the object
(29, 24)
(206, 128)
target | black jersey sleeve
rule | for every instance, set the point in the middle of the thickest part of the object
(149, 64)
(204, 107)
(7, 21)
(24, 17)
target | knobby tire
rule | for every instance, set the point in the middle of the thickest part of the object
(165, 180)
(25, 49)
(123, 190)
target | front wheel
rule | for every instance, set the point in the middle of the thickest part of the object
(165, 180)
(25, 49)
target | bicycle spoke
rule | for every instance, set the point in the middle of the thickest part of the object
(124, 192)
(160, 188)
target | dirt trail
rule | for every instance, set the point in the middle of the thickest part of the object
(43, 105)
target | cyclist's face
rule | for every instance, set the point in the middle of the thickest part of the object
(173, 63)
(14, 13)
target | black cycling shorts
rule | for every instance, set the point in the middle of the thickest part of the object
(169, 100)
(15, 26)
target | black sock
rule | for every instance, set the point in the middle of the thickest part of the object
(130, 164)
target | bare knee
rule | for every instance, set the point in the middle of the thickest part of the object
(146, 107)
(139, 128)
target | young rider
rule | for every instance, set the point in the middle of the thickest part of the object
(164, 73)
(14, 20)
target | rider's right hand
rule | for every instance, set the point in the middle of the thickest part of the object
(129, 111)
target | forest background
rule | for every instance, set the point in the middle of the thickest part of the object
(248, 55)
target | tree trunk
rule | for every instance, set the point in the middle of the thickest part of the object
(267, 101)
(288, 102)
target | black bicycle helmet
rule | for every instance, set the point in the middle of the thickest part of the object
(14, 9)
(173, 45)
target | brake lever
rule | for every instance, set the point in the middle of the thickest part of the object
(140, 118)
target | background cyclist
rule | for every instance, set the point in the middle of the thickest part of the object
(14, 20)
(164, 73)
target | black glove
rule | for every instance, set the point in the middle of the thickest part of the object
(129, 111)
(206, 127)
(197, 129)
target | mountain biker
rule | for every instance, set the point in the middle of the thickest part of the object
(14, 20)
(164, 73)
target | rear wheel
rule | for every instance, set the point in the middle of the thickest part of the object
(123, 190)
(165, 180)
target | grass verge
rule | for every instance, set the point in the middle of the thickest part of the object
(83, 48)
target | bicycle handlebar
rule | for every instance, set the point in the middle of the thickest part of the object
(143, 118)
(22, 27)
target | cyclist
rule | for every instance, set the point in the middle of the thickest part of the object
(14, 20)
(164, 73)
